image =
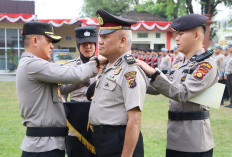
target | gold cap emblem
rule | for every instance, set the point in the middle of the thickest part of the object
(100, 20)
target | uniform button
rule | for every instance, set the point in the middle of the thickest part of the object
(106, 84)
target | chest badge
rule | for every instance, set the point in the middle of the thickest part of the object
(117, 70)
(112, 78)
(183, 78)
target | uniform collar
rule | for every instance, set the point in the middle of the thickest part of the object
(186, 61)
(28, 54)
(118, 61)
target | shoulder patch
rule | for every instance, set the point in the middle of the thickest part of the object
(129, 59)
(202, 70)
(131, 76)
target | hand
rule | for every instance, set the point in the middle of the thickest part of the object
(146, 68)
(102, 60)
(225, 77)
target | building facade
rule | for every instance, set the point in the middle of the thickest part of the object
(150, 32)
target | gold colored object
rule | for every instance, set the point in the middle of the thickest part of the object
(117, 70)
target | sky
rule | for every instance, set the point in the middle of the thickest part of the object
(58, 9)
(68, 9)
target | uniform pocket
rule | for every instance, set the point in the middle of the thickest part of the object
(109, 85)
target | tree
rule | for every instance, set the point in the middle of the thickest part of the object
(116, 7)
(208, 6)
(169, 9)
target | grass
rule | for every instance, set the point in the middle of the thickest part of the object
(154, 125)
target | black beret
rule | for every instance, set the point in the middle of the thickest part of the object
(110, 23)
(86, 34)
(188, 21)
(40, 28)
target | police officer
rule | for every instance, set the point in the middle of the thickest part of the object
(165, 63)
(228, 74)
(86, 38)
(219, 57)
(39, 97)
(189, 133)
(115, 111)
(178, 56)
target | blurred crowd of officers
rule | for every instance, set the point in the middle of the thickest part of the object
(162, 59)
(223, 57)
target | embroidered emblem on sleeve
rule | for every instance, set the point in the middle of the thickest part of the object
(131, 76)
(202, 71)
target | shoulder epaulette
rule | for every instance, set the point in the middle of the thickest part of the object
(129, 59)
(204, 56)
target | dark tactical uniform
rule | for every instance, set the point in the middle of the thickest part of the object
(40, 101)
(77, 110)
(189, 131)
(119, 88)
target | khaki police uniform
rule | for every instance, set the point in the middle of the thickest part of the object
(165, 64)
(228, 71)
(119, 88)
(177, 58)
(39, 97)
(187, 79)
(77, 91)
(219, 59)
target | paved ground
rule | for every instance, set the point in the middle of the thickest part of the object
(7, 77)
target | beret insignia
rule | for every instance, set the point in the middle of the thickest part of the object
(87, 34)
(130, 76)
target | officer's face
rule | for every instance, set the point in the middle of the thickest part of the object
(109, 45)
(230, 49)
(87, 49)
(185, 40)
(176, 51)
(44, 47)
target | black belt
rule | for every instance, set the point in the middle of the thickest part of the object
(197, 115)
(47, 131)
(107, 128)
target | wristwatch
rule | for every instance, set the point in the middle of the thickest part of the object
(157, 72)
(96, 59)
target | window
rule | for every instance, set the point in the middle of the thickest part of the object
(12, 38)
(157, 35)
(11, 47)
(142, 35)
(2, 37)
